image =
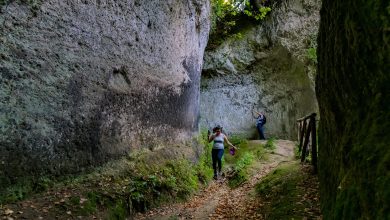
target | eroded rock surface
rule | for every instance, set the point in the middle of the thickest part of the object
(86, 81)
(268, 70)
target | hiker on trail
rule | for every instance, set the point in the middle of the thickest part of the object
(260, 121)
(218, 149)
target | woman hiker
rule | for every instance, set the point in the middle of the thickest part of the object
(218, 149)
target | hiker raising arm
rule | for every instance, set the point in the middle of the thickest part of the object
(260, 121)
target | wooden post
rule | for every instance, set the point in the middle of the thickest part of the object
(313, 141)
(299, 130)
(304, 149)
(302, 135)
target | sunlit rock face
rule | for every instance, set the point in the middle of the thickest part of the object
(86, 81)
(353, 90)
(268, 69)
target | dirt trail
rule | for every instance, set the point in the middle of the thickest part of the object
(219, 201)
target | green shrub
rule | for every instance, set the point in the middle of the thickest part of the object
(238, 141)
(204, 170)
(118, 210)
(228, 17)
(90, 205)
(240, 170)
(312, 54)
(152, 185)
(261, 154)
(25, 188)
(15, 193)
(296, 151)
(270, 144)
(127, 183)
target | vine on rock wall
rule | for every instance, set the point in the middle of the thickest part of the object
(312, 50)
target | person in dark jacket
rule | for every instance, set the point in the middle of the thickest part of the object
(260, 121)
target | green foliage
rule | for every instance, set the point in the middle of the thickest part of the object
(238, 141)
(225, 9)
(154, 184)
(312, 54)
(244, 147)
(118, 210)
(131, 182)
(242, 144)
(239, 163)
(16, 193)
(275, 182)
(173, 217)
(24, 188)
(256, 14)
(204, 169)
(90, 206)
(270, 144)
(261, 154)
(229, 16)
(282, 192)
(43, 184)
(245, 160)
(347, 206)
(147, 186)
(297, 153)
(240, 170)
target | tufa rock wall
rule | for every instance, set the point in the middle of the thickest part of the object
(267, 69)
(86, 81)
(353, 90)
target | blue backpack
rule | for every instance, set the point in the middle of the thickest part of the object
(262, 121)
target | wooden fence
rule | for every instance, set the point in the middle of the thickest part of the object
(307, 131)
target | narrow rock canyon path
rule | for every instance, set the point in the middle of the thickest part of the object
(219, 201)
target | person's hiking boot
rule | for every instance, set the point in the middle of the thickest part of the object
(215, 176)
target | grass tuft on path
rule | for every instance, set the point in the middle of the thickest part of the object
(289, 192)
(239, 164)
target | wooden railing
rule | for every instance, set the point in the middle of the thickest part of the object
(306, 131)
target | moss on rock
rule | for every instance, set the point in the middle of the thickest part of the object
(353, 93)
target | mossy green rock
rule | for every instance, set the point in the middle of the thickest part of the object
(353, 90)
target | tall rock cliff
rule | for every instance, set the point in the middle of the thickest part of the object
(86, 81)
(267, 69)
(353, 90)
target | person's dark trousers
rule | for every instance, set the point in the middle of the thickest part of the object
(216, 155)
(260, 129)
